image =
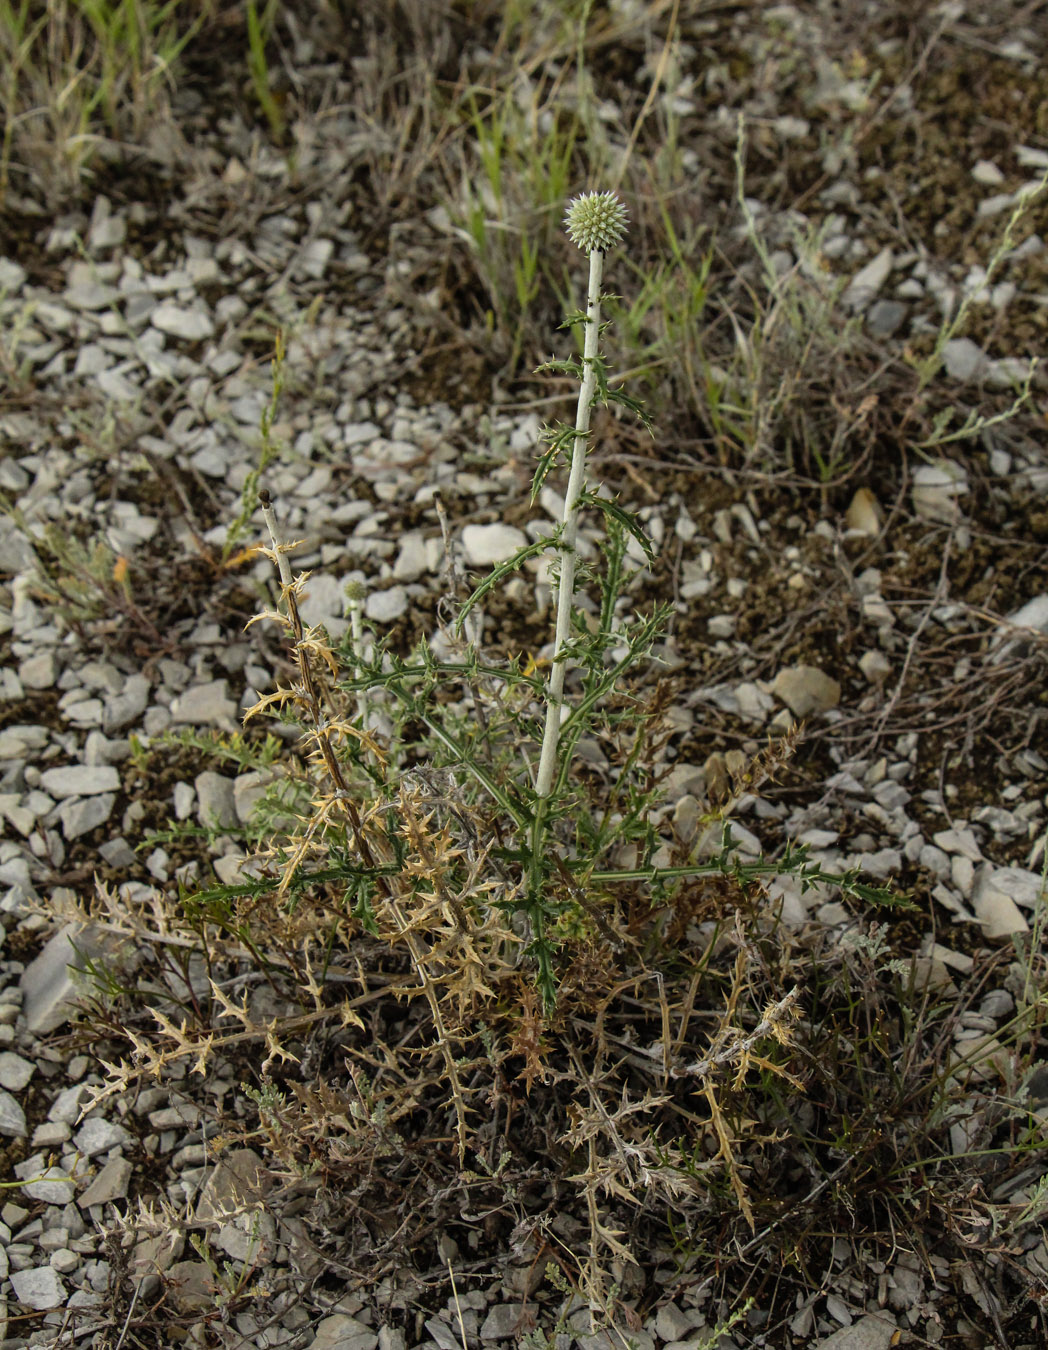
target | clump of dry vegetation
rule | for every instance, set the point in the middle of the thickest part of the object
(446, 969)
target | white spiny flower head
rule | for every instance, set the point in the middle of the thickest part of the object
(595, 221)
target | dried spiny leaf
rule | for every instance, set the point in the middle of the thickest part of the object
(725, 1152)
(274, 554)
(314, 641)
(767, 762)
(238, 1011)
(280, 697)
(270, 614)
(276, 1051)
(527, 1041)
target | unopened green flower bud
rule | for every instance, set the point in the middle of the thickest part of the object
(354, 591)
(595, 221)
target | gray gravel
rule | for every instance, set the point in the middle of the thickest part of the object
(115, 332)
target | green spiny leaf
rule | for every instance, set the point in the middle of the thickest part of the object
(561, 441)
(624, 518)
(572, 368)
(634, 405)
(502, 570)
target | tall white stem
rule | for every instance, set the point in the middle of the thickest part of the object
(356, 630)
(555, 709)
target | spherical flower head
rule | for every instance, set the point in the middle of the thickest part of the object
(595, 221)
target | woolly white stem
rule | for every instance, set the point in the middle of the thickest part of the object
(555, 709)
(356, 629)
(284, 568)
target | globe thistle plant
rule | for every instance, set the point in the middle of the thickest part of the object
(595, 222)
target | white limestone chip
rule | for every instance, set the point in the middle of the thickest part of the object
(203, 704)
(487, 544)
(80, 780)
(806, 690)
(51, 1185)
(864, 286)
(15, 1072)
(936, 489)
(39, 1287)
(385, 606)
(111, 1184)
(12, 1117)
(98, 1135)
(994, 907)
(191, 325)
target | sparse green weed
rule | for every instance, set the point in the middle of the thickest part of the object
(794, 326)
(527, 142)
(85, 70)
(268, 451)
(955, 318)
(526, 152)
(662, 327)
(259, 32)
(83, 579)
